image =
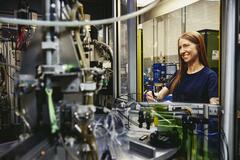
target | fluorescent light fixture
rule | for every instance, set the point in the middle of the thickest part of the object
(143, 3)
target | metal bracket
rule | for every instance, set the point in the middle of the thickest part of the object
(89, 86)
(49, 45)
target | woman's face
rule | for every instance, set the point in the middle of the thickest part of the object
(187, 50)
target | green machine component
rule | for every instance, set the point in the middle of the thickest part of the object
(211, 39)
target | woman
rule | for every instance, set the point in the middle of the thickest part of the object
(194, 82)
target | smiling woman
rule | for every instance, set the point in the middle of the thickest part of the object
(187, 50)
(194, 82)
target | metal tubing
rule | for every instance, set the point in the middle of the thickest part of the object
(78, 23)
(228, 70)
(115, 49)
(205, 137)
(48, 52)
(132, 50)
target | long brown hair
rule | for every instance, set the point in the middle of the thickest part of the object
(197, 39)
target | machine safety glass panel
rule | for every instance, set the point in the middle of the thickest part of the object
(160, 41)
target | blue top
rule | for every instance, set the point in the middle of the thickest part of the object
(197, 87)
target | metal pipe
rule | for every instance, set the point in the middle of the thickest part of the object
(47, 10)
(115, 50)
(132, 51)
(205, 139)
(48, 52)
(78, 23)
(228, 70)
(48, 36)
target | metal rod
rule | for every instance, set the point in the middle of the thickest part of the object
(205, 139)
(228, 70)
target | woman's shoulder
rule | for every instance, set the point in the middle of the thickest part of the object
(204, 72)
(210, 73)
(209, 70)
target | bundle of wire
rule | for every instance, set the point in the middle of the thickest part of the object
(111, 125)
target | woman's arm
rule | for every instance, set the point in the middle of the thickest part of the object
(160, 95)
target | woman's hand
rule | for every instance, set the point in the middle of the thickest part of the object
(149, 96)
(159, 96)
(214, 100)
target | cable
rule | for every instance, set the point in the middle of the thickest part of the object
(128, 95)
(110, 124)
(79, 23)
(130, 120)
(209, 134)
(105, 47)
(9, 75)
(9, 65)
(225, 142)
(3, 69)
(98, 130)
(154, 112)
(2, 75)
(159, 115)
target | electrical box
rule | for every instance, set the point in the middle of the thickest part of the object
(211, 39)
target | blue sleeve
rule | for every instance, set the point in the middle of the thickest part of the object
(168, 85)
(213, 85)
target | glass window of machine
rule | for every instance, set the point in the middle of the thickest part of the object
(161, 31)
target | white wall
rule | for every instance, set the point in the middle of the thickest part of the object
(203, 15)
(173, 30)
(163, 32)
(161, 38)
(148, 38)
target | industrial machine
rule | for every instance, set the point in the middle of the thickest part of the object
(192, 129)
(61, 71)
(64, 70)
